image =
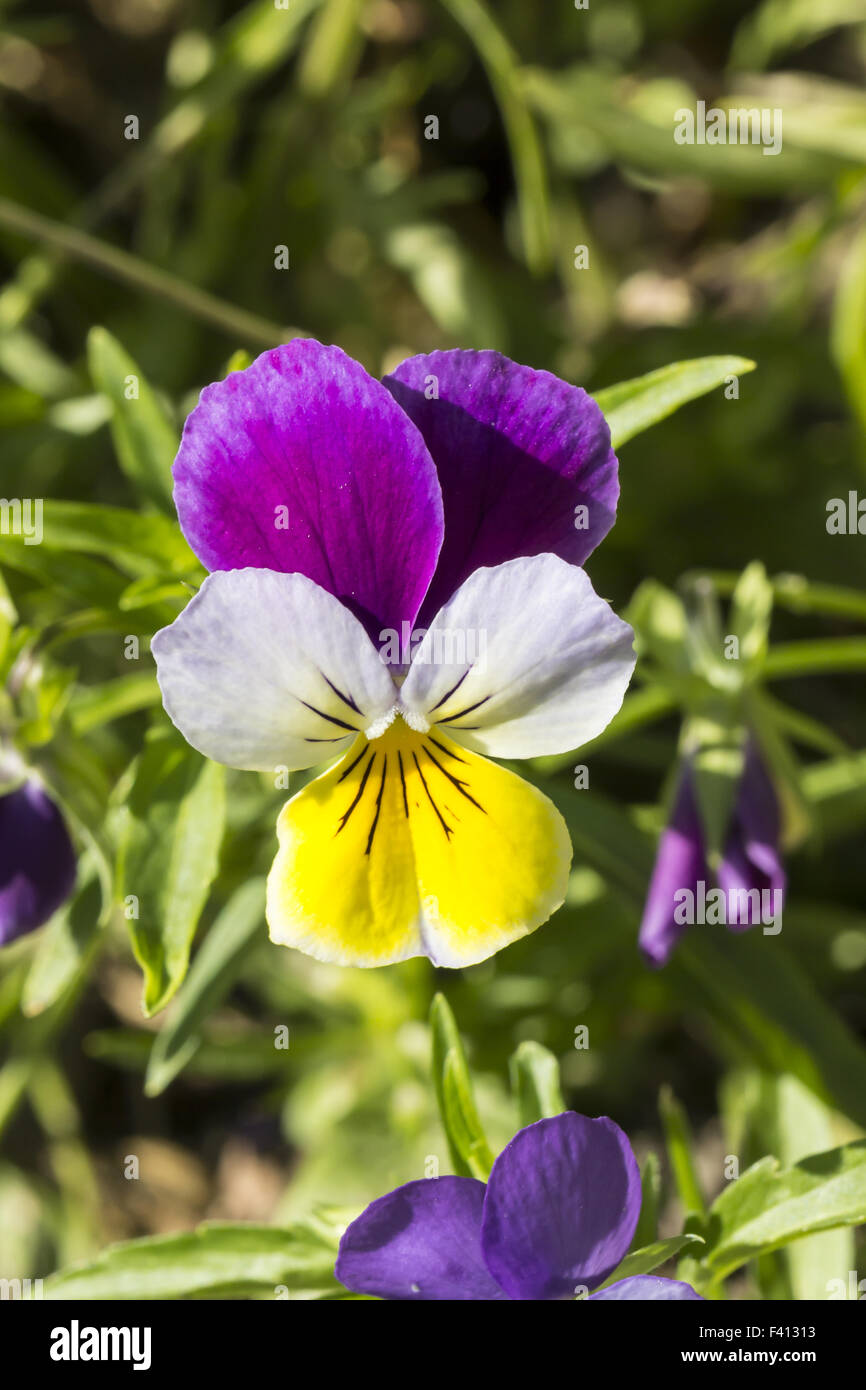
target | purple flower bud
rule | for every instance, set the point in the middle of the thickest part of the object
(37, 860)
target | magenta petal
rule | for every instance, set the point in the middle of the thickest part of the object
(37, 860)
(646, 1287)
(752, 859)
(562, 1204)
(517, 451)
(303, 462)
(679, 865)
(420, 1241)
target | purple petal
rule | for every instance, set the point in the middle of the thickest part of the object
(752, 860)
(37, 861)
(646, 1287)
(420, 1241)
(679, 865)
(517, 451)
(303, 462)
(561, 1207)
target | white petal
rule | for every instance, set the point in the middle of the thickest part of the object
(524, 660)
(265, 670)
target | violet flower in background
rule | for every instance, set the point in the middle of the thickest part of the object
(554, 1220)
(751, 859)
(37, 859)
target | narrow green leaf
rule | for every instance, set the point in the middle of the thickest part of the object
(646, 1231)
(66, 945)
(678, 1137)
(770, 1206)
(527, 154)
(805, 1126)
(836, 792)
(211, 976)
(815, 656)
(632, 406)
(136, 544)
(649, 1257)
(93, 705)
(471, 1155)
(751, 610)
(848, 329)
(214, 1261)
(661, 625)
(784, 768)
(173, 832)
(332, 49)
(770, 1013)
(535, 1082)
(144, 437)
(775, 26)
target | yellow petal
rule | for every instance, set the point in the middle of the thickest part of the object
(411, 845)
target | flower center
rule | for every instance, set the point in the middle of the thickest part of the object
(406, 717)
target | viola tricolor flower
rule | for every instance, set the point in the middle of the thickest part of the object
(395, 580)
(750, 878)
(553, 1221)
(37, 859)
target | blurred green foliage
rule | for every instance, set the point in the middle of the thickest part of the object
(307, 128)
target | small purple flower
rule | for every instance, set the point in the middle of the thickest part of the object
(750, 876)
(554, 1220)
(395, 581)
(37, 860)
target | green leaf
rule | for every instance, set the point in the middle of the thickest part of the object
(471, 1155)
(717, 757)
(450, 283)
(678, 1137)
(632, 406)
(778, 1115)
(92, 705)
(646, 1230)
(136, 544)
(144, 437)
(212, 974)
(238, 362)
(65, 948)
(751, 610)
(770, 1206)
(173, 829)
(649, 1257)
(661, 625)
(770, 1013)
(774, 26)
(535, 1082)
(332, 50)
(784, 769)
(816, 656)
(527, 153)
(215, 1261)
(836, 792)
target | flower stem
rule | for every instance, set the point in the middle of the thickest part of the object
(235, 322)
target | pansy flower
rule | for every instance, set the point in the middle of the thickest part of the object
(750, 873)
(37, 859)
(553, 1221)
(395, 582)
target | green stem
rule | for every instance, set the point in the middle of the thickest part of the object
(530, 172)
(832, 654)
(235, 322)
(798, 594)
